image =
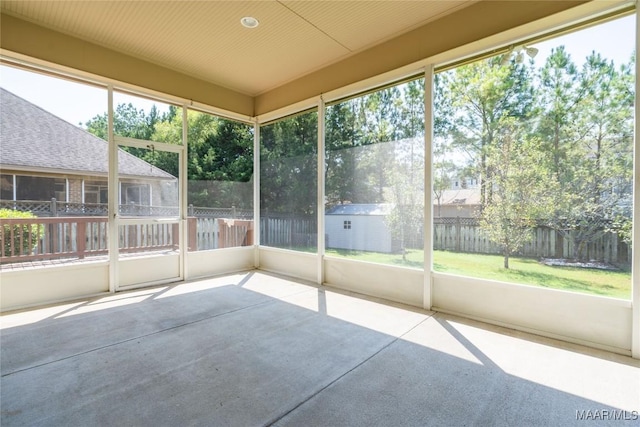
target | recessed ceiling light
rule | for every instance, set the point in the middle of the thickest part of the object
(249, 22)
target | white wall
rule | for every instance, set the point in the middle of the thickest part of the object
(405, 285)
(219, 261)
(367, 233)
(136, 271)
(300, 265)
(38, 286)
(585, 319)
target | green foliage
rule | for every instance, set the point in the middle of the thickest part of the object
(19, 235)
(622, 226)
(588, 123)
(551, 144)
(579, 139)
(406, 179)
(365, 138)
(288, 165)
(483, 94)
(522, 189)
(220, 152)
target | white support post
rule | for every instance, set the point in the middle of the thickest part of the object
(428, 204)
(321, 194)
(15, 189)
(113, 195)
(183, 182)
(635, 238)
(256, 193)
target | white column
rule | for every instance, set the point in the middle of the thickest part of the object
(183, 185)
(112, 199)
(321, 195)
(428, 204)
(256, 193)
(635, 261)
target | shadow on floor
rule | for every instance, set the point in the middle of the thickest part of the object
(228, 355)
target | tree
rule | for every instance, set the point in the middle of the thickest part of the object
(341, 136)
(594, 168)
(288, 165)
(219, 157)
(522, 188)
(483, 93)
(561, 91)
(405, 171)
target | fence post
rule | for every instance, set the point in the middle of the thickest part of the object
(249, 236)
(264, 237)
(458, 234)
(81, 236)
(233, 212)
(190, 212)
(192, 230)
(559, 247)
(175, 234)
(54, 207)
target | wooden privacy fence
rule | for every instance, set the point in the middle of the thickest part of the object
(282, 230)
(215, 233)
(465, 235)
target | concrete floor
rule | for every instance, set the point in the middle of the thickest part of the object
(255, 349)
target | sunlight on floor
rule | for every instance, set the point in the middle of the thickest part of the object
(591, 374)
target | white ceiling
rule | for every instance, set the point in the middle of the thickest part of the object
(204, 39)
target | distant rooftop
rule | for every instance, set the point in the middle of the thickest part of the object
(32, 139)
(463, 196)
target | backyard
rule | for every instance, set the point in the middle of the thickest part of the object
(609, 283)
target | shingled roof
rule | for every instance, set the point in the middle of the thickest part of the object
(32, 139)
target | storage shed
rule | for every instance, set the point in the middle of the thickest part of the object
(360, 227)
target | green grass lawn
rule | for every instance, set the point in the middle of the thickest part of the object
(527, 271)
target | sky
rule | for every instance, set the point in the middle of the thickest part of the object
(77, 103)
(74, 102)
(613, 40)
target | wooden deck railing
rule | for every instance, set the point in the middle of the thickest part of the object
(28, 239)
(49, 238)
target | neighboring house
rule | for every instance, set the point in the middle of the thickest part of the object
(44, 157)
(359, 227)
(464, 183)
(463, 202)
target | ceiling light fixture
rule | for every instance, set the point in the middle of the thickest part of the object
(249, 22)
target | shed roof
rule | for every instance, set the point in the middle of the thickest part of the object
(34, 139)
(361, 209)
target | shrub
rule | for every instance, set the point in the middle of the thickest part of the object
(25, 236)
